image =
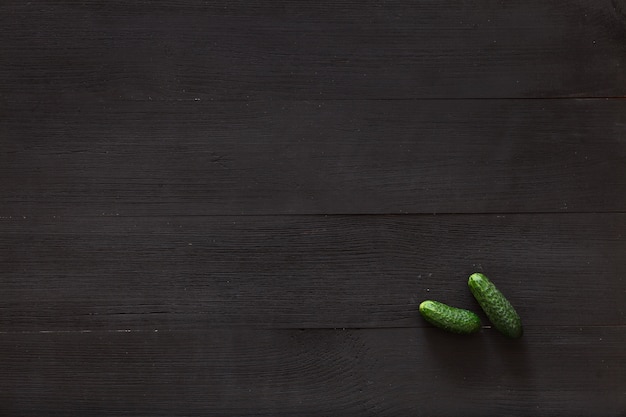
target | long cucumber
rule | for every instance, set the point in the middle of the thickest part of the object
(497, 308)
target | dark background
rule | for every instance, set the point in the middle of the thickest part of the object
(235, 208)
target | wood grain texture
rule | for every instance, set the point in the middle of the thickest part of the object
(112, 273)
(311, 157)
(234, 208)
(399, 372)
(186, 50)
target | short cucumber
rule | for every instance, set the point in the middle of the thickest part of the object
(497, 308)
(449, 318)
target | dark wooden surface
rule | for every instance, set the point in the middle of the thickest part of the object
(235, 208)
(314, 157)
(347, 49)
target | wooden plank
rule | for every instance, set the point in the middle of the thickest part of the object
(186, 50)
(110, 273)
(310, 157)
(552, 371)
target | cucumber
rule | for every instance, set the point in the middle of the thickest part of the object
(497, 308)
(452, 319)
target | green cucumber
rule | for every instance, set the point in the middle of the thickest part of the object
(497, 308)
(452, 319)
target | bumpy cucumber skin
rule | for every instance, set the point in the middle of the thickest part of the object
(497, 308)
(452, 319)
